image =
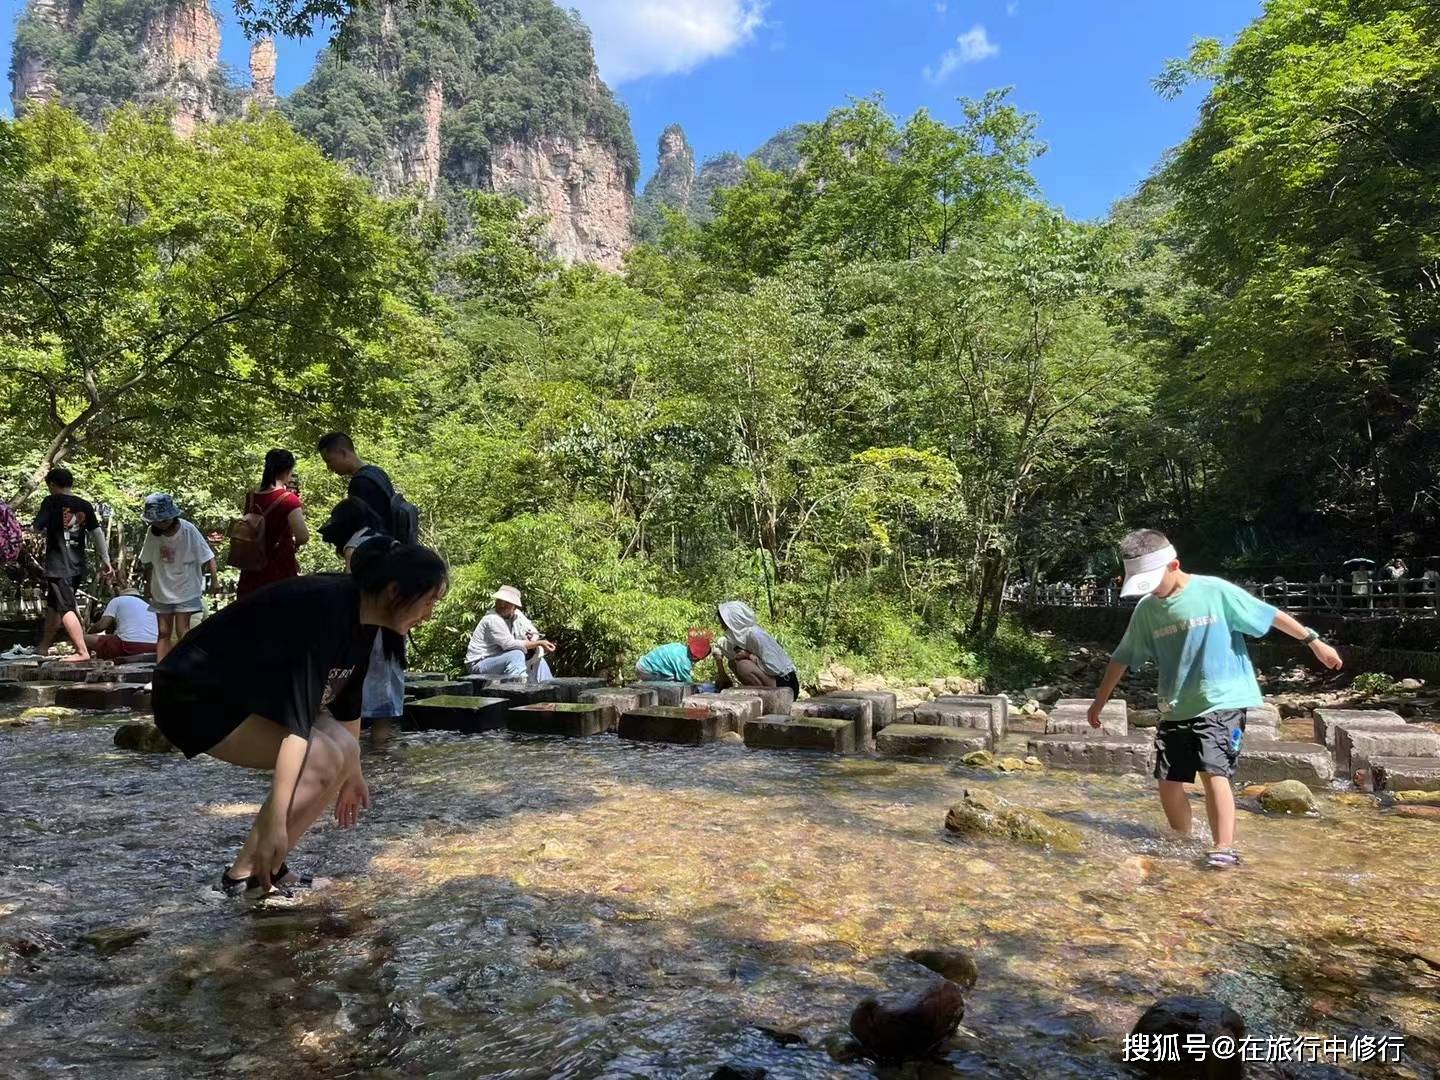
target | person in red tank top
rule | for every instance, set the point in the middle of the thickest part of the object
(285, 529)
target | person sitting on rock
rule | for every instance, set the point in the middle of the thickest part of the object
(675, 661)
(273, 683)
(127, 627)
(1192, 627)
(754, 657)
(506, 646)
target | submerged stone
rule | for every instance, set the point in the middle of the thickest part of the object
(558, 718)
(1176, 1019)
(957, 965)
(109, 940)
(909, 1023)
(688, 727)
(829, 734)
(143, 737)
(983, 814)
(466, 714)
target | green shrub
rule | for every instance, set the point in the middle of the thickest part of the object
(1373, 682)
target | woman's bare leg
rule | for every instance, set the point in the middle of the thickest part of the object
(164, 627)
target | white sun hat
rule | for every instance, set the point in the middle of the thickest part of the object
(509, 594)
(1143, 573)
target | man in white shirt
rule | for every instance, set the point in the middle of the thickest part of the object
(506, 644)
(126, 628)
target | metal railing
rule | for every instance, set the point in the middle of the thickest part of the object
(1368, 597)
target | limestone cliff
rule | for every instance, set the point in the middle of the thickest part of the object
(95, 58)
(508, 101)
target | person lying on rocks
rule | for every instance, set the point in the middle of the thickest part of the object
(753, 656)
(1193, 628)
(675, 661)
(506, 645)
(273, 682)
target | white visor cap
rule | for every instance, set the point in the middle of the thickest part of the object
(1143, 574)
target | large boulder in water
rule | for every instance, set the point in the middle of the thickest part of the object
(1289, 797)
(908, 1023)
(1184, 1016)
(980, 814)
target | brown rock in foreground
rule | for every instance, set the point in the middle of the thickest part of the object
(909, 1023)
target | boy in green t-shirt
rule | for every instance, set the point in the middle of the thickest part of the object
(1193, 628)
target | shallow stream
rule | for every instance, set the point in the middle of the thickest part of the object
(532, 907)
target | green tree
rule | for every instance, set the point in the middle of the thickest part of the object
(152, 285)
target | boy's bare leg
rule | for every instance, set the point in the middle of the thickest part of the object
(1220, 808)
(1176, 801)
(47, 636)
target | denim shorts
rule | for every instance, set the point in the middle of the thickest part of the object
(185, 607)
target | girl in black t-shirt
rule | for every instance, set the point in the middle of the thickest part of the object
(274, 681)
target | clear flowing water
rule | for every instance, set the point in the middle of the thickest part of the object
(529, 907)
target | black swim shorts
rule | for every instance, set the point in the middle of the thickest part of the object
(1204, 744)
(60, 593)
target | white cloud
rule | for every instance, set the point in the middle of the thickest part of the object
(1012, 7)
(941, 7)
(635, 38)
(971, 47)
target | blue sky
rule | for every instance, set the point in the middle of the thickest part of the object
(733, 72)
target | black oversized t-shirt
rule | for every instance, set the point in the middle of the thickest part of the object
(372, 485)
(67, 521)
(283, 652)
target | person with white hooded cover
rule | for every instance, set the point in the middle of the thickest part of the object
(506, 644)
(754, 657)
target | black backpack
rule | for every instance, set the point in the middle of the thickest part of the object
(403, 522)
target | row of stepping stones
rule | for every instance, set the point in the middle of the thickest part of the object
(94, 684)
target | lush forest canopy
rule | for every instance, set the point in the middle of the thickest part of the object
(877, 384)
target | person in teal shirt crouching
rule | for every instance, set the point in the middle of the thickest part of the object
(675, 662)
(1193, 628)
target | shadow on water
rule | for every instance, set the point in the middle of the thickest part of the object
(536, 908)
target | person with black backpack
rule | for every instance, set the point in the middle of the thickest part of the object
(371, 484)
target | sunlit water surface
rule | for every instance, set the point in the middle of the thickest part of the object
(518, 907)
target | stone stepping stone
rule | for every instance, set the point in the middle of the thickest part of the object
(136, 658)
(139, 675)
(428, 688)
(1328, 720)
(774, 700)
(1355, 747)
(998, 704)
(670, 694)
(78, 672)
(1267, 761)
(833, 735)
(616, 700)
(928, 740)
(1098, 753)
(459, 712)
(567, 718)
(31, 693)
(738, 710)
(1071, 717)
(570, 687)
(143, 737)
(672, 724)
(860, 714)
(97, 696)
(522, 693)
(883, 704)
(975, 717)
(1405, 773)
(19, 670)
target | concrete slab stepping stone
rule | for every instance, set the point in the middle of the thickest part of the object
(834, 735)
(570, 687)
(1326, 720)
(998, 704)
(929, 740)
(673, 724)
(774, 700)
(522, 693)
(1405, 773)
(975, 717)
(460, 712)
(883, 704)
(1355, 747)
(859, 713)
(31, 693)
(428, 688)
(669, 693)
(739, 709)
(1097, 752)
(1266, 761)
(567, 718)
(1071, 716)
(97, 695)
(615, 700)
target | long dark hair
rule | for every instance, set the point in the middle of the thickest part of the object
(277, 462)
(413, 570)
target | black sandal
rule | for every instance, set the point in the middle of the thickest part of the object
(249, 887)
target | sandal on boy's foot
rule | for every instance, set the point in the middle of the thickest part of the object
(1222, 859)
(249, 887)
